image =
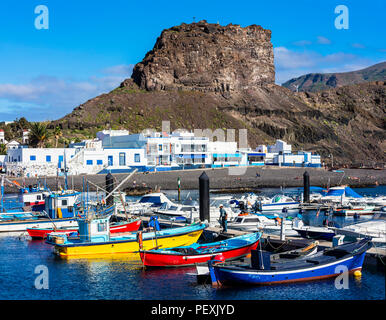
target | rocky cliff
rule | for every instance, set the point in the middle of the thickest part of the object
(209, 58)
(207, 76)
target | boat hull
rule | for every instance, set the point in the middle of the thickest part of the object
(21, 226)
(319, 235)
(36, 233)
(352, 212)
(279, 206)
(352, 264)
(125, 246)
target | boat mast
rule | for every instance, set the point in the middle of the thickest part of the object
(65, 171)
(2, 194)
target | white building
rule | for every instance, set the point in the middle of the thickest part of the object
(12, 145)
(89, 159)
(281, 154)
(280, 147)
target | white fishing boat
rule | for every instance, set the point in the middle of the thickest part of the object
(252, 222)
(374, 228)
(148, 203)
(178, 210)
(258, 222)
(278, 203)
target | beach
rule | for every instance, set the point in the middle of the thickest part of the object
(221, 179)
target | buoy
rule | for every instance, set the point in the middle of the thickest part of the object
(357, 273)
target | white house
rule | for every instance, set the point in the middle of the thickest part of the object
(280, 147)
(12, 145)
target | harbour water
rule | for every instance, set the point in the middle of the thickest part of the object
(124, 278)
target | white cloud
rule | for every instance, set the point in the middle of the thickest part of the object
(323, 40)
(358, 46)
(291, 64)
(121, 69)
(57, 96)
(302, 43)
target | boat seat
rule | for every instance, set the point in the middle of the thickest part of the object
(186, 250)
(289, 255)
(313, 261)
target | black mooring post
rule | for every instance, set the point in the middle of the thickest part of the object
(306, 184)
(203, 181)
(109, 188)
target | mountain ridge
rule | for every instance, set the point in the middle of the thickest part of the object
(314, 82)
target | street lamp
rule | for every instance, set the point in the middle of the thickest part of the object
(332, 160)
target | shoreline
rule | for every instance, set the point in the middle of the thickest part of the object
(221, 180)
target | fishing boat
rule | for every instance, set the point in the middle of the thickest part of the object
(29, 198)
(354, 210)
(200, 253)
(278, 203)
(252, 222)
(95, 239)
(374, 228)
(115, 227)
(279, 250)
(148, 203)
(320, 233)
(340, 194)
(324, 264)
(187, 211)
(59, 211)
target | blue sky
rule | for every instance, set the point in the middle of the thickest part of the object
(91, 46)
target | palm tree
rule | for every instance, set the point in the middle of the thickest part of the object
(3, 149)
(39, 134)
(57, 134)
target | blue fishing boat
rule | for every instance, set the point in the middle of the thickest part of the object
(224, 250)
(324, 264)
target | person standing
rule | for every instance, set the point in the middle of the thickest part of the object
(223, 217)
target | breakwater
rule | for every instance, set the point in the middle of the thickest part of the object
(253, 179)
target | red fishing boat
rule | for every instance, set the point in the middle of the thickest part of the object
(200, 253)
(115, 227)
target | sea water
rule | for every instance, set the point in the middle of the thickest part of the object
(22, 259)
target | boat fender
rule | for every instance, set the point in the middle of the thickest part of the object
(278, 221)
(243, 214)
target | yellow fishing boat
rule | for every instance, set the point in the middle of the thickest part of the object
(94, 239)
